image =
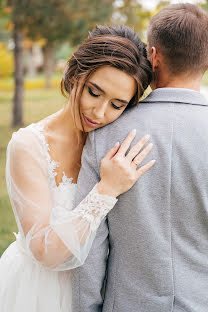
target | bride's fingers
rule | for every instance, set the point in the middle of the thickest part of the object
(126, 143)
(141, 156)
(137, 148)
(112, 151)
(145, 168)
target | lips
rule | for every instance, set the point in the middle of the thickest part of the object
(89, 122)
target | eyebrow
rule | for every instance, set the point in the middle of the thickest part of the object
(101, 90)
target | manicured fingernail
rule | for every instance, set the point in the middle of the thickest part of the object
(153, 161)
(117, 144)
(147, 136)
(150, 145)
(134, 131)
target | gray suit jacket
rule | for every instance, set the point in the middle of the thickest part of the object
(157, 233)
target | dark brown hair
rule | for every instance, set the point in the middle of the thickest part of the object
(116, 46)
(180, 32)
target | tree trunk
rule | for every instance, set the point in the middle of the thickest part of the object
(48, 52)
(17, 117)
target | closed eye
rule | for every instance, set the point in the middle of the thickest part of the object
(116, 107)
(92, 93)
(97, 95)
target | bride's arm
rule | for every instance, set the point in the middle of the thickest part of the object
(59, 241)
(62, 241)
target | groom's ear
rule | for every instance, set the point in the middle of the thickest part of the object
(155, 58)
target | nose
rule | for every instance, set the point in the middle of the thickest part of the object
(100, 110)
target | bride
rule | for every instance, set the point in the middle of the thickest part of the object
(106, 76)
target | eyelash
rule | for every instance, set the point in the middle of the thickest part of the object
(91, 93)
(116, 107)
(97, 95)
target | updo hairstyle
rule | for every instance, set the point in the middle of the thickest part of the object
(116, 46)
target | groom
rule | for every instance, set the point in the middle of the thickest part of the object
(157, 234)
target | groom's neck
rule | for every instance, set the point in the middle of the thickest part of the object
(186, 81)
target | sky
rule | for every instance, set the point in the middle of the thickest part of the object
(151, 4)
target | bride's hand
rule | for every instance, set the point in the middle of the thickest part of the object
(119, 170)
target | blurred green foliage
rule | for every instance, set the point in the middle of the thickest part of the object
(4, 21)
(58, 21)
(6, 61)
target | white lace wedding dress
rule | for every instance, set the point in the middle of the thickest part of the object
(52, 238)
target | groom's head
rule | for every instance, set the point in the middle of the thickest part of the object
(178, 43)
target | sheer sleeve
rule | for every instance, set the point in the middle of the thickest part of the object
(60, 243)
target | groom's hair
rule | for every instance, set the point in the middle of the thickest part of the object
(180, 33)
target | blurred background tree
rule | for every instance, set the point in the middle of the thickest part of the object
(53, 22)
(132, 13)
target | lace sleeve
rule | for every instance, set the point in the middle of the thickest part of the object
(94, 208)
(59, 242)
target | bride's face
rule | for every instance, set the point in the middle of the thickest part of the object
(105, 96)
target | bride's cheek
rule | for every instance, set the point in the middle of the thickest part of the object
(85, 102)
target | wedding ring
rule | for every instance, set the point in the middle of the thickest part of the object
(135, 163)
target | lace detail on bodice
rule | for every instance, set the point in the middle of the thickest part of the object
(95, 207)
(38, 129)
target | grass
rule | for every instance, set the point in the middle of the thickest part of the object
(30, 83)
(38, 104)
